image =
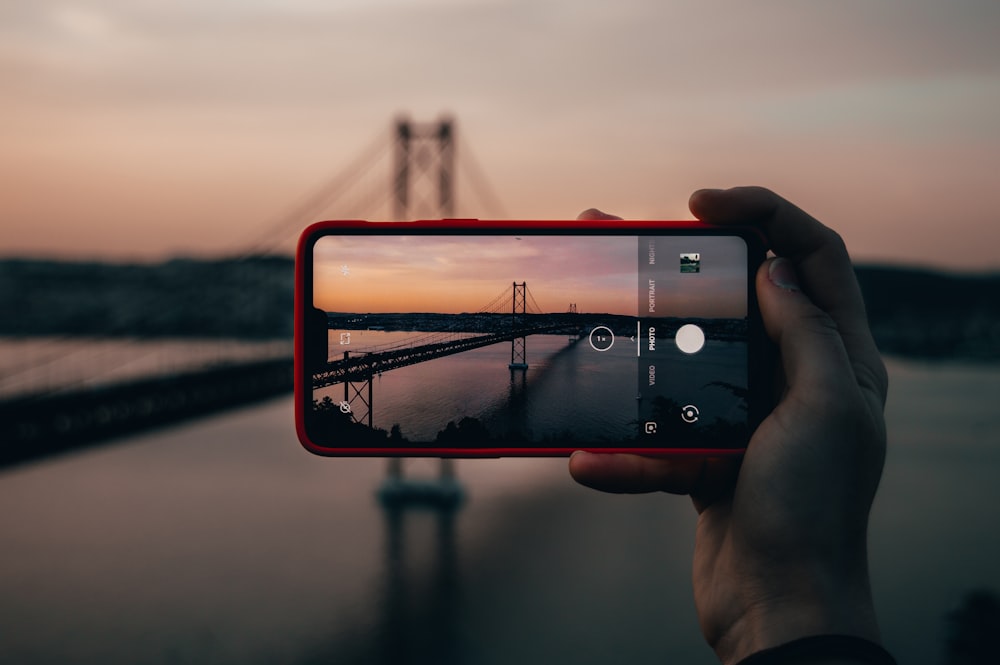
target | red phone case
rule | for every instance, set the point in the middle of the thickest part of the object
(303, 291)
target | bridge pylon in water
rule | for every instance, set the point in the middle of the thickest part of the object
(518, 345)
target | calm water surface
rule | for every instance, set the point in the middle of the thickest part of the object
(568, 387)
(221, 541)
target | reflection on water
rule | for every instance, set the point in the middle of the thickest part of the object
(423, 398)
(569, 390)
(222, 541)
(420, 623)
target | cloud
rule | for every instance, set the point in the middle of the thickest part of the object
(543, 54)
(627, 105)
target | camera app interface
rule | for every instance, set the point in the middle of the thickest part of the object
(526, 340)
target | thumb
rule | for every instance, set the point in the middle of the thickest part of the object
(813, 356)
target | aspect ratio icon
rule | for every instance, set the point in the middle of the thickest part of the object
(601, 338)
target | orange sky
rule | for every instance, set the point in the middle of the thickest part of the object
(454, 275)
(357, 274)
(140, 130)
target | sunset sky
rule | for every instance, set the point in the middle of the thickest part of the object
(139, 130)
(453, 275)
(464, 274)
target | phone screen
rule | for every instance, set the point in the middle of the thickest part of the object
(509, 341)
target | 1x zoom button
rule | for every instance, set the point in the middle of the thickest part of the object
(601, 338)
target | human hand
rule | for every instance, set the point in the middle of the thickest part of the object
(781, 543)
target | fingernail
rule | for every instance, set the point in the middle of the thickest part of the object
(781, 272)
(698, 193)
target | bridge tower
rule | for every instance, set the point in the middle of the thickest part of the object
(518, 345)
(359, 393)
(424, 161)
(423, 186)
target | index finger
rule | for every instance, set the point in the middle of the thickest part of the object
(821, 261)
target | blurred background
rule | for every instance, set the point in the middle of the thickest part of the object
(157, 162)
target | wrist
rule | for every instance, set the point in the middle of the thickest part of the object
(816, 606)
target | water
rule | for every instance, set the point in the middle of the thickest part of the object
(934, 535)
(568, 387)
(46, 364)
(222, 541)
(423, 398)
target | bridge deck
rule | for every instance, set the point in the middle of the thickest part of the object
(33, 426)
(363, 367)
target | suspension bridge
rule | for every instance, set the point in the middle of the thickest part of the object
(406, 173)
(512, 316)
(493, 324)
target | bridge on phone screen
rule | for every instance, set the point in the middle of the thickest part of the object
(512, 317)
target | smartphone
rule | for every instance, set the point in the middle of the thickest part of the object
(474, 338)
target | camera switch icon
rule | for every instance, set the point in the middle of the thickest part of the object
(690, 413)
